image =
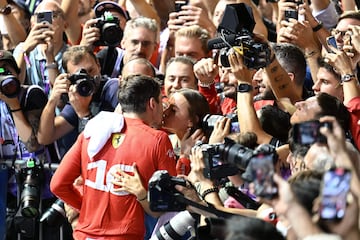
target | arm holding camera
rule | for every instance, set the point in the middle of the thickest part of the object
(90, 33)
(27, 121)
(248, 120)
(53, 127)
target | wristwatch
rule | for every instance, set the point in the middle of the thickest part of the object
(347, 77)
(244, 87)
(5, 10)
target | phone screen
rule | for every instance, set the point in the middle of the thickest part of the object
(291, 13)
(331, 41)
(179, 4)
(44, 17)
(306, 132)
(262, 171)
(335, 187)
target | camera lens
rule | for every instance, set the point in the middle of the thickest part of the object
(9, 86)
(30, 196)
(55, 215)
(85, 87)
(111, 34)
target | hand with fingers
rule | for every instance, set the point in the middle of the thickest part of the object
(90, 33)
(221, 130)
(129, 183)
(206, 70)
(189, 140)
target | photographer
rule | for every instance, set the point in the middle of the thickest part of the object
(88, 93)
(39, 56)
(20, 110)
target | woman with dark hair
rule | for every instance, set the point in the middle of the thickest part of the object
(182, 118)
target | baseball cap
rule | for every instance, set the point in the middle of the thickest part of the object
(101, 7)
(21, 4)
(7, 56)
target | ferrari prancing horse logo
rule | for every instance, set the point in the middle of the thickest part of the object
(117, 139)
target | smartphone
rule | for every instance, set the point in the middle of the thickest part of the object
(179, 4)
(262, 172)
(335, 187)
(331, 41)
(291, 13)
(307, 133)
(44, 17)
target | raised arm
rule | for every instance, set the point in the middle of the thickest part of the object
(73, 30)
(247, 117)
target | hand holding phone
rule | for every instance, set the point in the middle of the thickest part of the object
(307, 133)
(291, 13)
(179, 4)
(262, 171)
(335, 187)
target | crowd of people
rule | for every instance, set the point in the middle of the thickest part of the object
(198, 119)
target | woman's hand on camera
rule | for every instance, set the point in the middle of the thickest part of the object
(221, 130)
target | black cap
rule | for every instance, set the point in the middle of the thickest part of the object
(7, 56)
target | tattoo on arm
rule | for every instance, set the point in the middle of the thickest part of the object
(33, 118)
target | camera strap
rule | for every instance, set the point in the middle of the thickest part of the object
(209, 208)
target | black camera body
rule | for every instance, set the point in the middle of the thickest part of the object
(32, 176)
(225, 159)
(85, 85)
(9, 84)
(209, 121)
(110, 31)
(235, 32)
(162, 192)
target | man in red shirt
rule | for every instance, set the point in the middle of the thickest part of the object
(106, 212)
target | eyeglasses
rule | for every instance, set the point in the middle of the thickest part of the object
(336, 33)
(145, 44)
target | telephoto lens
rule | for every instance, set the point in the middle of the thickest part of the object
(30, 196)
(55, 215)
(176, 227)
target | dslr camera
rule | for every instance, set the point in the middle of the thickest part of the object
(230, 158)
(225, 159)
(235, 32)
(9, 84)
(110, 31)
(85, 85)
(162, 192)
(31, 176)
(209, 121)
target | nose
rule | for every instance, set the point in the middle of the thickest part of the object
(224, 77)
(176, 84)
(316, 86)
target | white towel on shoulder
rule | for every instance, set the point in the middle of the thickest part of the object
(100, 128)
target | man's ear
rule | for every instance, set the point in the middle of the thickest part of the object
(152, 103)
(291, 76)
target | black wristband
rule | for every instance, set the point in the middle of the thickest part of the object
(15, 110)
(208, 191)
(317, 27)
